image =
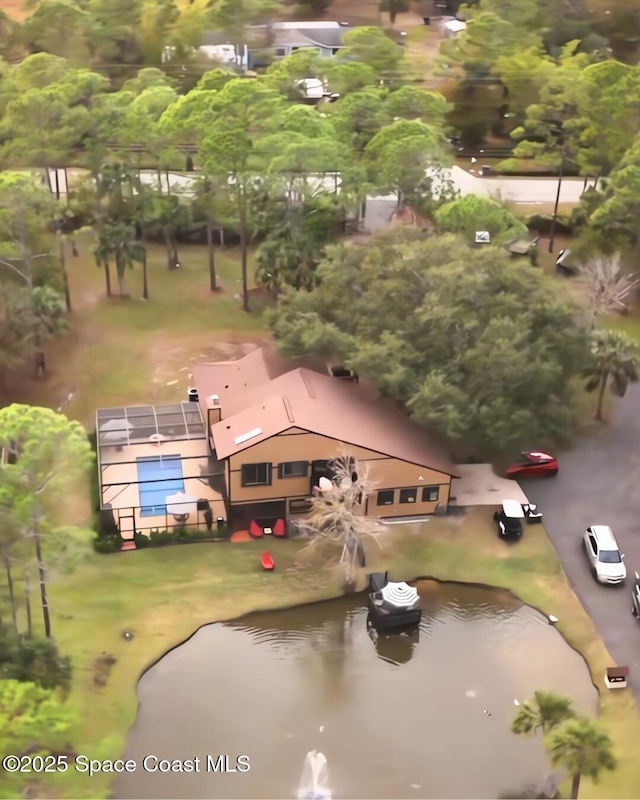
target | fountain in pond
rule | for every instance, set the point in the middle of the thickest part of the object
(314, 784)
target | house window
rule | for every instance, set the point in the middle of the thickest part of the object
(280, 51)
(408, 495)
(293, 469)
(385, 498)
(430, 494)
(256, 475)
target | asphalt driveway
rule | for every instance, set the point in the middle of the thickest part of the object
(599, 483)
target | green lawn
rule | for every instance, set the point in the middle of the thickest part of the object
(630, 323)
(135, 351)
(164, 595)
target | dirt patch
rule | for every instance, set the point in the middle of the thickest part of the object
(173, 364)
(102, 667)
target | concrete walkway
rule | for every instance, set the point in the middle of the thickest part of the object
(478, 485)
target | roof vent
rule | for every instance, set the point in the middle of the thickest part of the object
(246, 436)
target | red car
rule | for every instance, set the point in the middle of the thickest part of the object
(533, 465)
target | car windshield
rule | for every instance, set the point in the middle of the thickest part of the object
(609, 557)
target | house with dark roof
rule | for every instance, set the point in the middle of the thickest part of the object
(276, 435)
(325, 37)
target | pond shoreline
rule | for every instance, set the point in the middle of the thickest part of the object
(364, 593)
(473, 642)
(164, 596)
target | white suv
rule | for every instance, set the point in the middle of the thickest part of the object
(604, 554)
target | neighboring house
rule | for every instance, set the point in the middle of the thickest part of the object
(216, 46)
(254, 442)
(277, 435)
(277, 40)
(325, 37)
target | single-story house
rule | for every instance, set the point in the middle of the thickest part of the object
(325, 37)
(252, 442)
(279, 39)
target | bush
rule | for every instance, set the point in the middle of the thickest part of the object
(33, 660)
(160, 538)
(141, 541)
(110, 543)
(541, 224)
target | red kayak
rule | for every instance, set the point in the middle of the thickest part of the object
(267, 562)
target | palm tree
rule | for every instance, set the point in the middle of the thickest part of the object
(614, 362)
(117, 241)
(582, 748)
(544, 711)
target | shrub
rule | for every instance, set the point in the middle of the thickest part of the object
(34, 660)
(141, 541)
(110, 543)
(160, 538)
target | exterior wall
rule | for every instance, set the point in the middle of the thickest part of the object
(387, 473)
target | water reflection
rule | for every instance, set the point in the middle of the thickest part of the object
(277, 685)
(394, 648)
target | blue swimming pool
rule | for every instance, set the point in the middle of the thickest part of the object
(158, 477)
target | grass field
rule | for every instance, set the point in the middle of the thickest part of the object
(162, 596)
(136, 351)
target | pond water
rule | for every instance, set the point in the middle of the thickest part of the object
(397, 718)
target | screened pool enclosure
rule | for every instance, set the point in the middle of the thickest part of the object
(156, 470)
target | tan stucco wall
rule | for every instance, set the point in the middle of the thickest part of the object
(387, 473)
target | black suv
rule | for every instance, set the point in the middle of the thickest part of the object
(509, 520)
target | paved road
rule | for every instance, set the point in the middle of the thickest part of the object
(599, 483)
(528, 190)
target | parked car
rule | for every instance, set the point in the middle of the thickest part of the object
(604, 555)
(509, 520)
(533, 464)
(635, 597)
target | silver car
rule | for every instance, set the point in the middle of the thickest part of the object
(604, 555)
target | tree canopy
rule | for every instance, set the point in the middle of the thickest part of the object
(474, 345)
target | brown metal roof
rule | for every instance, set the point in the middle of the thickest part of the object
(327, 406)
(228, 379)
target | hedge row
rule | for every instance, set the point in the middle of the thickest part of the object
(112, 543)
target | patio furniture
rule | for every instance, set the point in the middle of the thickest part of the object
(255, 530)
(181, 518)
(279, 528)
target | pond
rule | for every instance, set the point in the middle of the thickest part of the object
(397, 718)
